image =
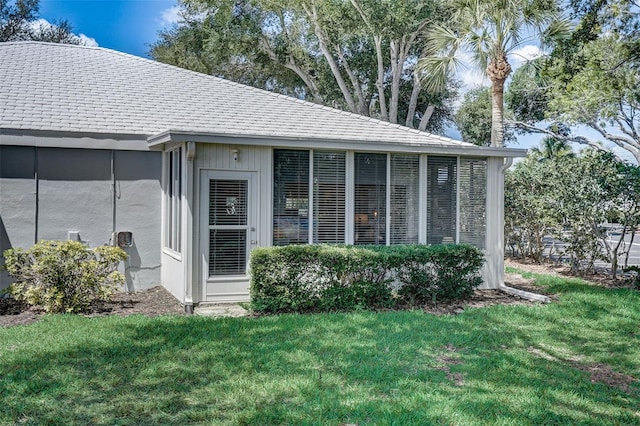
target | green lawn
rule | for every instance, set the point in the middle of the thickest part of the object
(502, 365)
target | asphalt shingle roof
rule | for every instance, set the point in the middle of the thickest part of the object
(55, 87)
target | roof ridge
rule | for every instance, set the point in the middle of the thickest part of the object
(245, 87)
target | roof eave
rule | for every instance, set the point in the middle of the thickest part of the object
(171, 137)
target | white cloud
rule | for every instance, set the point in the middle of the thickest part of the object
(41, 25)
(523, 54)
(170, 16)
(87, 41)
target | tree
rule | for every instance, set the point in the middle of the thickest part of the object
(357, 55)
(604, 95)
(542, 198)
(489, 30)
(19, 21)
(473, 118)
(592, 81)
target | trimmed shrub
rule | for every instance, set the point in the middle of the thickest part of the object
(307, 278)
(64, 276)
(440, 272)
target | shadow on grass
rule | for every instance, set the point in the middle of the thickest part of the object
(360, 368)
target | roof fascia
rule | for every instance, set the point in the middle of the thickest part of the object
(170, 137)
(56, 139)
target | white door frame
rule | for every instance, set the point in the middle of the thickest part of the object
(230, 288)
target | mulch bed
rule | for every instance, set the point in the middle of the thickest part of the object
(152, 302)
(158, 301)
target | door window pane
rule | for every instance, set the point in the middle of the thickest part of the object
(227, 252)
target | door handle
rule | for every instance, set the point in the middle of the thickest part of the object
(254, 242)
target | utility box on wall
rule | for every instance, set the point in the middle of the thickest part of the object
(124, 239)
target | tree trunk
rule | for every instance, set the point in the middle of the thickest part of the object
(382, 100)
(413, 102)
(498, 70)
(426, 117)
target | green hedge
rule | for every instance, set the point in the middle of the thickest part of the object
(339, 277)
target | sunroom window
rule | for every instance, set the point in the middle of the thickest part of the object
(290, 197)
(441, 200)
(173, 200)
(370, 198)
(404, 199)
(473, 201)
(328, 197)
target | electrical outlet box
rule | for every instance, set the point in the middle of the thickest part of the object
(124, 239)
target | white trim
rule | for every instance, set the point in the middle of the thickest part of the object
(422, 197)
(458, 200)
(349, 208)
(310, 226)
(172, 253)
(440, 145)
(387, 201)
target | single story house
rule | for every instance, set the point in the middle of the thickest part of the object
(189, 172)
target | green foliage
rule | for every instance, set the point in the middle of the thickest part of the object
(64, 276)
(591, 81)
(473, 118)
(563, 363)
(440, 272)
(17, 19)
(489, 31)
(337, 277)
(356, 55)
(570, 198)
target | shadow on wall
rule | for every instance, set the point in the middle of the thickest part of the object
(5, 244)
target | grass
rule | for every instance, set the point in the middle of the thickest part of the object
(509, 365)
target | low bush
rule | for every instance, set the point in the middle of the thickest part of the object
(64, 276)
(338, 277)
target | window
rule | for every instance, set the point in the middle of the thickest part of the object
(370, 191)
(404, 199)
(290, 197)
(441, 200)
(329, 197)
(173, 205)
(473, 201)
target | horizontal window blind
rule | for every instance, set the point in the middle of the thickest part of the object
(370, 198)
(290, 197)
(441, 200)
(228, 227)
(228, 202)
(473, 201)
(329, 197)
(227, 252)
(404, 197)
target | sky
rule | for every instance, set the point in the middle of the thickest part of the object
(131, 26)
(126, 25)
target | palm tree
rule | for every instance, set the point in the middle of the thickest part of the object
(489, 30)
(553, 148)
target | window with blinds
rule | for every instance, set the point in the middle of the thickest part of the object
(228, 227)
(329, 197)
(441, 200)
(404, 198)
(173, 204)
(473, 201)
(370, 192)
(290, 197)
